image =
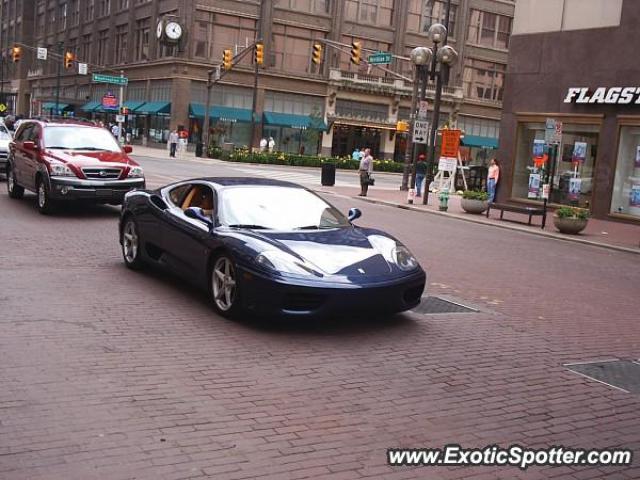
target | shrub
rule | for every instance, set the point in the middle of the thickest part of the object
(475, 195)
(572, 212)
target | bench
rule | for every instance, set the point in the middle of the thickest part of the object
(507, 207)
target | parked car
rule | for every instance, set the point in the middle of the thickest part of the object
(268, 247)
(5, 138)
(70, 161)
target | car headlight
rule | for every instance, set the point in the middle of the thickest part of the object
(60, 170)
(282, 262)
(404, 259)
(135, 172)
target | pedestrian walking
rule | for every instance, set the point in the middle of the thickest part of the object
(421, 173)
(365, 171)
(173, 142)
(264, 143)
(493, 178)
(272, 144)
(115, 131)
(356, 154)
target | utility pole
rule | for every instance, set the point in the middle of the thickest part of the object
(120, 138)
(255, 100)
(410, 147)
(205, 133)
(60, 60)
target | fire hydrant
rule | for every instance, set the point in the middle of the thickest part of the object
(444, 200)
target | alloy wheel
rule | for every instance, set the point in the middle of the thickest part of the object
(10, 181)
(42, 196)
(223, 282)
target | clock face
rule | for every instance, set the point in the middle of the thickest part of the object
(159, 30)
(173, 30)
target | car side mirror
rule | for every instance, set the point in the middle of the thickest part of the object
(29, 145)
(198, 214)
(354, 214)
(127, 149)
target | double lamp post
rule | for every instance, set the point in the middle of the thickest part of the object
(431, 63)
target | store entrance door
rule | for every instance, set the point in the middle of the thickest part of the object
(346, 138)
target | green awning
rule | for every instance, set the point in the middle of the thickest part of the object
(52, 106)
(133, 104)
(90, 107)
(153, 108)
(481, 142)
(293, 121)
(218, 113)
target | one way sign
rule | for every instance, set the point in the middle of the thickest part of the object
(420, 131)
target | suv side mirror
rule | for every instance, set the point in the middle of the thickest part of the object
(354, 214)
(127, 149)
(198, 214)
(29, 145)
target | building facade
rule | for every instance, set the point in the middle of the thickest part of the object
(356, 106)
(569, 63)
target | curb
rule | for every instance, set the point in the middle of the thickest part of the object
(515, 228)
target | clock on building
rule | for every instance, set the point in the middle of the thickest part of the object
(173, 31)
(160, 29)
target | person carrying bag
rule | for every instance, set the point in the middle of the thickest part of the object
(366, 170)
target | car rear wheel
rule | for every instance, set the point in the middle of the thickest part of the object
(45, 205)
(224, 285)
(131, 245)
(15, 190)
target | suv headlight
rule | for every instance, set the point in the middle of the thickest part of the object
(403, 258)
(135, 172)
(60, 170)
(282, 262)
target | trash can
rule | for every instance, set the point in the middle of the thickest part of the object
(328, 175)
(199, 149)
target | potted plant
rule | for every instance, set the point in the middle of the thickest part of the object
(474, 201)
(571, 220)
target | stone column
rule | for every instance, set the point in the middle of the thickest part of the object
(180, 102)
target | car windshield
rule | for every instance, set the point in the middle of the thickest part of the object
(277, 208)
(79, 138)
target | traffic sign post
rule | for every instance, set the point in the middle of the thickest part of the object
(100, 78)
(420, 131)
(380, 58)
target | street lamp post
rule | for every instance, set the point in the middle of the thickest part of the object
(442, 58)
(205, 128)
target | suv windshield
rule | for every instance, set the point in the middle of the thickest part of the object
(277, 208)
(79, 138)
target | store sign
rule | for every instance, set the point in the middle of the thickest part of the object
(603, 95)
(447, 164)
(110, 101)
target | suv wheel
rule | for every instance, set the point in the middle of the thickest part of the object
(131, 244)
(44, 200)
(15, 190)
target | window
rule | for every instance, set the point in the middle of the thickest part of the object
(292, 48)
(352, 109)
(217, 32)
(177, 194)
(89, 9)
(483, 80)
(310, 6)
(103, 47)
(62, 16)
(142, 39)
(481, 127)
(75, 12)
(160, 91)
(121, 44)
(40, 16)
(626, 187)
(281, 102)
(489, 29)
(137, 91)
(370, 12)
(123, 4)
(424, 13)
(85, 49)
(104, 8)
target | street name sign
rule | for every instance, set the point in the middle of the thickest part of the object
(379, 58)
(99, 78)
(420, 131)
(42, 53)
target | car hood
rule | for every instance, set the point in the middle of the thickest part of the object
(343, 251)
(88, 159)
(4, 144)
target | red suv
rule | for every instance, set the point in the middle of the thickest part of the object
(60, 161)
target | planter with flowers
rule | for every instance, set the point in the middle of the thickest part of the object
(571, 220)
(474, 201)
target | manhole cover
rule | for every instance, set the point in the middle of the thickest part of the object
(622, 374)
(431, 305)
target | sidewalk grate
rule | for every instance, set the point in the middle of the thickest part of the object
(621, 374)
(434, 305)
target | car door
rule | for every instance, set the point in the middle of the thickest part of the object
(187, 241)
(18, 157)
(31, 158)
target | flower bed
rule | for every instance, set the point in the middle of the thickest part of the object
(280, 158)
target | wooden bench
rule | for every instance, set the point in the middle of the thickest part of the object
(508, 207)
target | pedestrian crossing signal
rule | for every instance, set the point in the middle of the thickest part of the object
(317, 53)
(356, 52)
(16, 53)
(227, 59)
(259, 53)
(68, 59)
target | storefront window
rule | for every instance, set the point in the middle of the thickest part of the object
(572, 171)
(626, 188)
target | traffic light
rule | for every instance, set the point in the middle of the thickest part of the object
(259, 53)
(317, 53)
(68, 59)
(356, 52)
(16, 53)
(227, 59)
(124, 110)
(402, 126)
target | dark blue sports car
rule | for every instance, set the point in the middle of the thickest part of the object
(268, 247)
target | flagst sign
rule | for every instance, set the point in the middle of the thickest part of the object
(604, 95)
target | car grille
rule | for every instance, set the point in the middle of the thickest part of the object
(302, 302)
(102, 173)
(3, 154)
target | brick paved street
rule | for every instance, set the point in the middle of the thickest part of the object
(110, 374)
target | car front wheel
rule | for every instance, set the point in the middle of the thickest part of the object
(224, 286)
(15, 190)
(45, 205)
(131, 245)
